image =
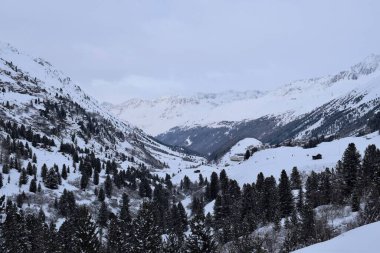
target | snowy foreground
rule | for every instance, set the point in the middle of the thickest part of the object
(360, 240)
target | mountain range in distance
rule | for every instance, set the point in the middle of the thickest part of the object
(338, 104)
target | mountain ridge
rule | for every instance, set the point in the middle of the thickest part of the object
(193, 125)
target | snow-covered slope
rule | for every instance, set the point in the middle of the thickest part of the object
(159, 115)
(364, 239)
(26, 79)
(39, 100)
(237, 152)
(290, 100)
(338, 104)
(271, 161)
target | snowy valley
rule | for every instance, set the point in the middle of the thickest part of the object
(76, 178)
(210, 124)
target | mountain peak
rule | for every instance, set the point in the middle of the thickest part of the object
(369, 65)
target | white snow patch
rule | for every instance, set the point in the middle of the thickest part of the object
(364, 239)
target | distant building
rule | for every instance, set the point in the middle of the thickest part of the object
(237, 158)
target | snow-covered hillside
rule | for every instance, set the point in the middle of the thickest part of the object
(237, 152)
(26, 79)
(272, 161)
(363, 239)
(54, 138)
(338, 104)
(159, 115)
(289, 101)
(39, 101)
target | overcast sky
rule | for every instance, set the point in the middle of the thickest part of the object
(119, 49)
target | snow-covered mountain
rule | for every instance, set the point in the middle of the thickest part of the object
(46, 113)
(337, 104)
(55, 136)
(159, 115)
(292, 100)
(25, 79)
(307, 107)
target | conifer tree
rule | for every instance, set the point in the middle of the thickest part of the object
(145, 190)
(108, 186)
(33, 186)
(307, 225)
(173, 244)
(102, 219)
(223, 179)
(44, 171)
(371, 164)
(23, 177)
(5, 169)
(66, 205)
(200, 239)
(51, 179)
(249, 209)
(116, 241)
(371, 212)
(214, 186)
(351, 164)
(124, 209)
(101, 195)
(292, 233)
(285, 195)
(103, 215)
(295, 179)
(147, 237)
(312, 190)
(337, 184)
(355, 201)
(85, 232)
(35, 228)
(186, 183)
(260, 183)
(325, 188)
(52, 239)
(64, 172)
(183, 221)
(11, 229)
(300, 200)
(247, 155)
(84, 181)
(96, 177)
(67, 242)
(29, 169)
(270, 199)
(41, 215)
(168, 182)
(201, 180)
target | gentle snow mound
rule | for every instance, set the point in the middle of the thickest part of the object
(363, 239)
